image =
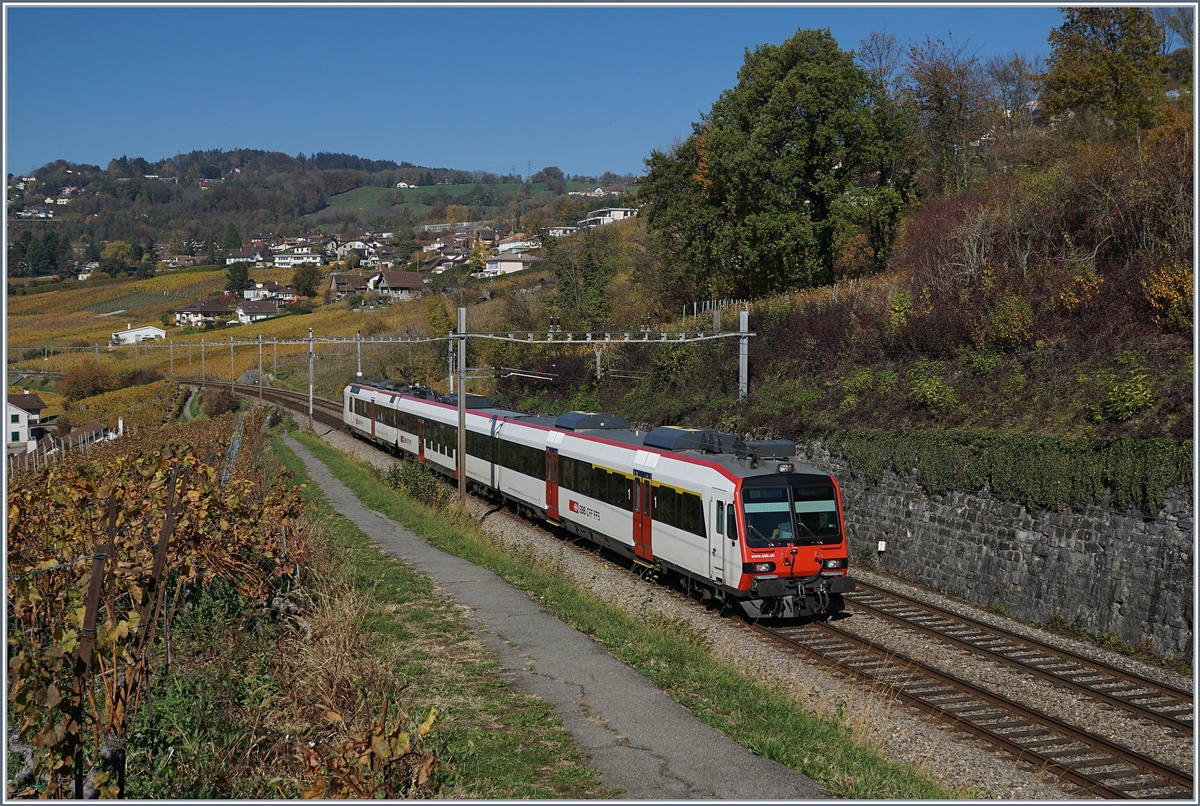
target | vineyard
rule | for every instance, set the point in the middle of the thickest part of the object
(136, 301)
(104, 552)
(134, 405)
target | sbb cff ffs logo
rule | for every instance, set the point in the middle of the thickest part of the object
(585, 511)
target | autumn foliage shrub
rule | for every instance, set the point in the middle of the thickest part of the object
(217, 402)
(87, 381)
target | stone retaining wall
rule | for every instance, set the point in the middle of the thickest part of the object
(1100, 569)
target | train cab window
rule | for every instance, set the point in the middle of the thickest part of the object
(731, 520)
(721, 518)
(768, 520)
(816, 514)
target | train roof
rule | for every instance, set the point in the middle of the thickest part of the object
(740, 458)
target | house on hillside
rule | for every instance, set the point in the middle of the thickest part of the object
(250, 255)
(397, 285)
(23, 411)
(517, 244)
(506, 264)
(342, 285)
(255, 311)
(289, 260)
(200, 312)
(607, 215)
(132, 335)
(87, 434)
(562, 232)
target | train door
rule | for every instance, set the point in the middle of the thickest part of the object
(552, 484)
(374, 415)
(716, 539)
(421, 441)
(642, 521)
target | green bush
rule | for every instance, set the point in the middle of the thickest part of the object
(927, 387)
(1127, 399)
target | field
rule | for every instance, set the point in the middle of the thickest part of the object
(380, 198)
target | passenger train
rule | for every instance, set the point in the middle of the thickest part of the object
(741, 519)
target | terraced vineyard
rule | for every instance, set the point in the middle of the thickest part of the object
(137, 301)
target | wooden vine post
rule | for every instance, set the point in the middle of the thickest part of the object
(87, 637)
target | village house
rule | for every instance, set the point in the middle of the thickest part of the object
(254, 311)
(397, 285)
(607, 215)
(24, 410)
(342, 285)
(87, 434)
(562, 232)
(289, 260)
(132, 335)
(518, 243)
(506, 264)
(250, 255)
(179, 261)
(200, 312)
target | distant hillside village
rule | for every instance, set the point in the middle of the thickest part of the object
(375, 265)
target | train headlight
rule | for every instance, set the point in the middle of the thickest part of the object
(830, 565)
(757, 568)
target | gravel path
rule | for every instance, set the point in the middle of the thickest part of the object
(946, 754)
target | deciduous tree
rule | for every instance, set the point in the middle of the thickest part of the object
(1107, 61)
(307, 279)
(754, 196)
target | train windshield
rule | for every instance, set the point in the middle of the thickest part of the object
(779, 516)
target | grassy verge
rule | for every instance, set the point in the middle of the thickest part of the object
(491, 742)
(259, 707)
(763, 719)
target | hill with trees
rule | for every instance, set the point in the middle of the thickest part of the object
(925, 247)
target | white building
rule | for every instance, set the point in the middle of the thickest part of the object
(506, 264)
(287, 261)
(607, 215)
(23, 411)
(132, 335)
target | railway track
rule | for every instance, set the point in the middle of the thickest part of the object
(1144, 698)
(1098, 766)
(326, 412)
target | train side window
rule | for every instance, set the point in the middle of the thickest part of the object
(720, 517)
(691, 513)
(732, 521)
(624, 486)
(665, 508)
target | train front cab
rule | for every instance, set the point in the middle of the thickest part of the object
(793, 545)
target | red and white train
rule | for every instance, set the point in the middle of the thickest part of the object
(743, 519)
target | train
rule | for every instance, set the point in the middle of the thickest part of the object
(743, 521)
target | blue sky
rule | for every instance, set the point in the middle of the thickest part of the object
(586, 89)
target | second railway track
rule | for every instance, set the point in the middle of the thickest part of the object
(1098, 766)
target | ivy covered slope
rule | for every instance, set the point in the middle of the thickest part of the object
(996, 302)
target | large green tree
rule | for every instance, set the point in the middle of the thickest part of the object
(237, 277)
(1107, 61)
(583, 270)
(231, 239)
(307, 280)
(754, 200)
